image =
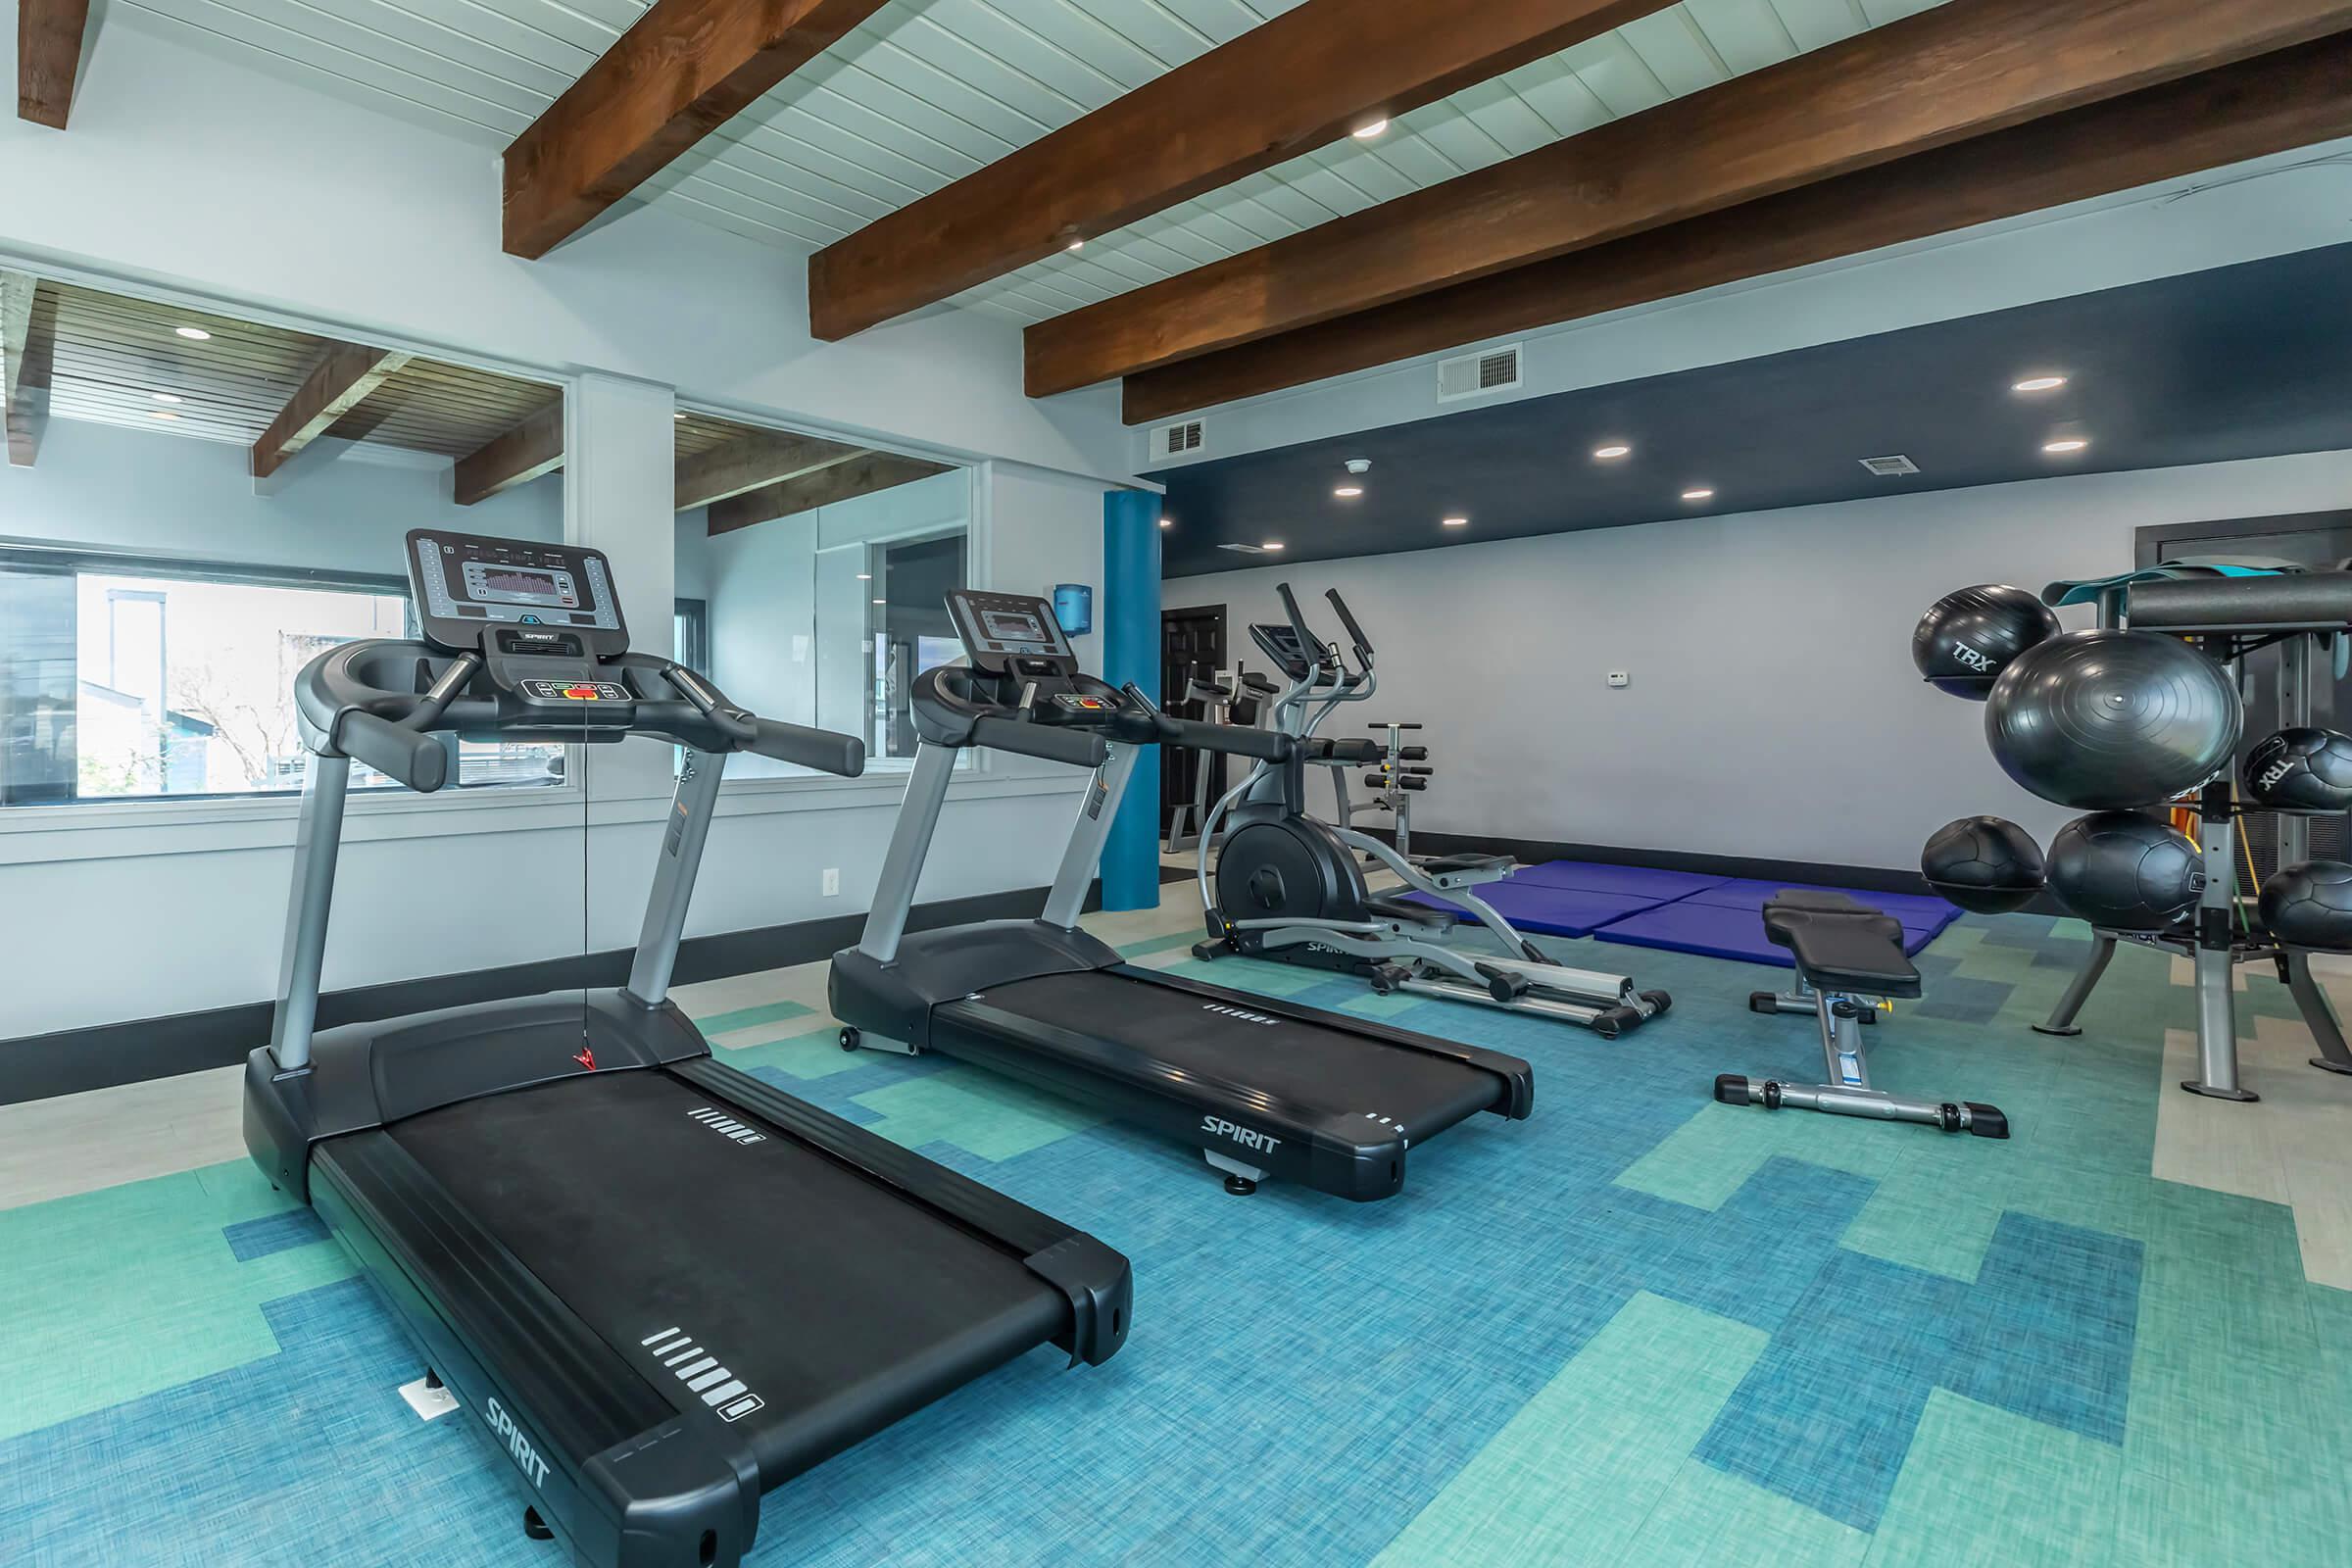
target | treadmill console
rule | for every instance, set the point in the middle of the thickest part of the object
(477, 594)
(1011, 634)
(543, 619)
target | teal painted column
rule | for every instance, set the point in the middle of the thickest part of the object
(1130, 613)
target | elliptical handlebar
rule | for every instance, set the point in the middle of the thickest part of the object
(1355, 633)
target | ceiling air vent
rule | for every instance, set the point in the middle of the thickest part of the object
(1179, 440)
(1480, 376)
(1894, 468)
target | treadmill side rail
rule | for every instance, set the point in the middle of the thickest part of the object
(1516, 1102)
(1095, 1277)
(607, 1462)
(1355, 1156)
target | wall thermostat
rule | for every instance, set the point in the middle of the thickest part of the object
(1074, 608)
(1619, 678)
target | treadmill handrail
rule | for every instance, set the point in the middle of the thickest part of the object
(461, 698)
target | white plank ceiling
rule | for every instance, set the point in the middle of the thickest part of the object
(929, 90)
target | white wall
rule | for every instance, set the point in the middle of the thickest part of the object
(1773, 711)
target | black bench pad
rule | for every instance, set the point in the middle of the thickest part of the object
(1840, 945)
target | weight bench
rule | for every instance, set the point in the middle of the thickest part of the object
(1846, 953)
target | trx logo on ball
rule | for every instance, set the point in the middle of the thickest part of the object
(1971, 657)
(1219, 1127)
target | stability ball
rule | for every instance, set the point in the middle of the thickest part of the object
(2126, 871)
(2310, 906)
(1984, 864)
(2101, 720)
(1966, 639)
(2302, 769)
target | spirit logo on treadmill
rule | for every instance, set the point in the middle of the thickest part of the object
(718, 1122)
(527, 1455)
(1241, 1013)
(1219, 1127)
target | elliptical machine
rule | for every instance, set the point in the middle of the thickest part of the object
(1288, 887)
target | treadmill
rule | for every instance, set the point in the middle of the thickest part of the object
(1263, 1088)
(660, 1286)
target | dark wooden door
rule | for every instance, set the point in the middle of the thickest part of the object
(1192, 643)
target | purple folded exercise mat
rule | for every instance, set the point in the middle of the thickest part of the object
(1677, 911)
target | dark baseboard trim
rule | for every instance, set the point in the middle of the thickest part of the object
(72, 1060)
(1861, 878)
(1534, 852)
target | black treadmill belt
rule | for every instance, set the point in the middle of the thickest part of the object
(835, 1302)
(1307, 1064)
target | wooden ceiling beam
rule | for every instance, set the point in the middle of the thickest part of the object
(1964, 69)
(1306, 78)
(2267, 105)
(49, 34)
(24, 371)
(337, 385)
(861, 476)
(684, 68)
(533, 448)
(749, 463)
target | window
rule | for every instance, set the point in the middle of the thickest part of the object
(125, 680)
(690, 632)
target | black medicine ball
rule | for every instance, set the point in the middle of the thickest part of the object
(1985, 864)
(2310, 906)
(2302, 770)
(2126, 871)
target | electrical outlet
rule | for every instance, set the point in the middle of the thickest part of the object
(832, 881)
(1619, 679)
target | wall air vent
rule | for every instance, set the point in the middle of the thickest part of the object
(1894, 468)
(1179, 440)
(1482, 376)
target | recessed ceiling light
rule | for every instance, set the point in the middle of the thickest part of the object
(2067, 447)
(2039, 383)
(1377, 127)
(680, 415)
(194, 334)
(161, 413)
(1077, 245)
(1274, 544)
(1457, 523)
(1167, 523)
(1348, 492)
(1612, 452)
(1698, 493)
(881, 601)
(164, 397)
(865, 576)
